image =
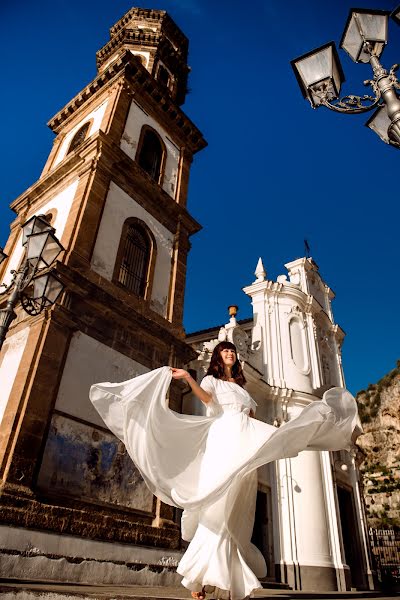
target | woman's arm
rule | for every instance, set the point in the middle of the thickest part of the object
(196, 389)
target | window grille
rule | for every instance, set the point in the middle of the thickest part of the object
(79, 137)
(135, 260)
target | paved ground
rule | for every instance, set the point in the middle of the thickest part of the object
(17, 590)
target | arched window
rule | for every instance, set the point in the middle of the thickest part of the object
(135, 258)
(141, 57)
(79, 137)
(151, 153)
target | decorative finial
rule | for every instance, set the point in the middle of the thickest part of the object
(260, 272)
(232, 309)
(307, 249)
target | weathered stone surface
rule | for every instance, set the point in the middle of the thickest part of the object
(85, 520)
(379, 408)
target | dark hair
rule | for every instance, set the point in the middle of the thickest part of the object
(216, 368)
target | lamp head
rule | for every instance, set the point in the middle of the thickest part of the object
(47, 288)
(388, 130)
(319, 74)
(365, 34)
(35, 224)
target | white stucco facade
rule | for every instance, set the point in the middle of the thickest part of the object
(12, 352)
(95, 117)
(290, 351)
(118, 208)
(60, 205)
(81, 456)
(89, 361)
(129, 143)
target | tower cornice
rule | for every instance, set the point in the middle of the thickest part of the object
(144, 83)
(92, 291)
(149, 14)
(121, 169)
(128, 36)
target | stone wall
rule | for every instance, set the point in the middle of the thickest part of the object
(379, 407)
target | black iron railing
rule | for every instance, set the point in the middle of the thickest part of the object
(385, 545)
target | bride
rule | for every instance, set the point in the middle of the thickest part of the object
(207, 465)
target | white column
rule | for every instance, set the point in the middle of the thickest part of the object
(287, 556)
(333, 520)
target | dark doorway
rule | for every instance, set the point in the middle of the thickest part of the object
(351, 541)
(262, 536)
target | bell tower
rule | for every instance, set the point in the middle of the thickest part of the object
(114, 187)
(153, 37)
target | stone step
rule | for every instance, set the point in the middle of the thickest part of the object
(26, 590)
(269, 583)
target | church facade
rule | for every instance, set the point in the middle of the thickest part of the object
(72, 505)
(310, 518)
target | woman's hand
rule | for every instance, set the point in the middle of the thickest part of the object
(196, 389)
(180, 373)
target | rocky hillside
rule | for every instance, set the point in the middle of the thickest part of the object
(379, 408)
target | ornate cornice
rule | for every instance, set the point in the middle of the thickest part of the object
(66, 171)
(95, 293)
(127, 36)
(149, 15)
(101, 153)
(153, 40)
(141, 81)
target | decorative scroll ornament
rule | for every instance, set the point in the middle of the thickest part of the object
(350, 103)
(242, 342)
(393, 79)
(30, 305)
(296, 310)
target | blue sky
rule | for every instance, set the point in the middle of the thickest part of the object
(275, 171)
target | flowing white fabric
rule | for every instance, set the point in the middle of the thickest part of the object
(207, 465)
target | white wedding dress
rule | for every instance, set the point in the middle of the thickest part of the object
(207, 465)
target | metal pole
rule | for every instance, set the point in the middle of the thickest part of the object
(384, 83)
(7, 315)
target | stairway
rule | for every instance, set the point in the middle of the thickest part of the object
(26, 590)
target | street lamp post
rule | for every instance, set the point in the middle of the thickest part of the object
(320, 75)
(34, 284)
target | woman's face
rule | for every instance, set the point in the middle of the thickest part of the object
(228, 357)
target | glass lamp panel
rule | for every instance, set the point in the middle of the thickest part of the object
(27, 230)
(379, 122)
(35, 245)
(316, 67)
(352, 40)
(337, 73)
(53, 289)
(39, 286)
(373, 26)
(51, 249)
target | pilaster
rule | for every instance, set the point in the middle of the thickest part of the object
(26, 418)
